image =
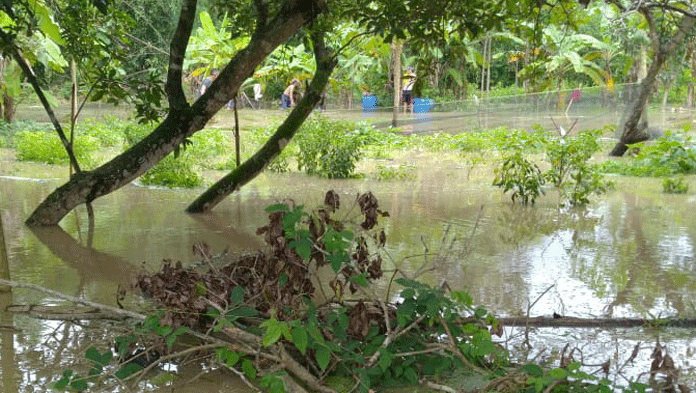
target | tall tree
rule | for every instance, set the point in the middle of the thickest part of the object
(670, 23)
(274, 23)
(183, 119)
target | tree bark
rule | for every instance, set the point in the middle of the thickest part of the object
(631, 130)
(183, 120)
(396, 47)
(244, 173)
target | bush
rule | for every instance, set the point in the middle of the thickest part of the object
(675, 185)
(667, 156)
(8, 130)
(108, 133)
(173, 172)
(570, 171)
(401, 172)
(46, 147)
(521, 176)
(330, 148)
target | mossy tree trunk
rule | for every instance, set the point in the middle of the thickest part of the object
(183, 119)
(326, 62)
(632, 129)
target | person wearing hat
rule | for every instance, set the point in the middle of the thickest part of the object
(287, 99)
(407, 92)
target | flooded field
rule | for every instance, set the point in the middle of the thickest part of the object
(629, 254)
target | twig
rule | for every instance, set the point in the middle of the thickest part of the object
(453, 348)
(242, 377)
(114, 310)
(441, 388)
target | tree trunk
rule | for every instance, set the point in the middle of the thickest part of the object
(183, 119)
(397, 47)
(241, 175)
(631, 131)
(8, 107)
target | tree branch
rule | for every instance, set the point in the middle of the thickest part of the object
(24, 65)
(113, 310)
(276, 143)
(177, 52)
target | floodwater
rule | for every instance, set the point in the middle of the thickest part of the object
(629, 254)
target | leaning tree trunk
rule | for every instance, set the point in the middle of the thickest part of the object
(241, 175)
(631, 130)
(183, 119)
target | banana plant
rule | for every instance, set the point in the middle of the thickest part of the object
(567, 52)
(210, 46)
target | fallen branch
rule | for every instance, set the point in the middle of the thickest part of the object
(103, 308)
(597, 322)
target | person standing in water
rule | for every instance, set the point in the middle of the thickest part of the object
(287, 99)
(207, 82)
(407, 92)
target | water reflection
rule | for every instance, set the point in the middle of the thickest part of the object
(631, 254)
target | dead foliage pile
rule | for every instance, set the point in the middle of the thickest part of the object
(278, 279)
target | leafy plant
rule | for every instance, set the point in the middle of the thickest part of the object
(401, 172)
(571, 379)
(570, 170)
(665, 157)
(521, 176)
(674, 185)
(329, 148)
(173, 172)
(8, 130)
(41, 146)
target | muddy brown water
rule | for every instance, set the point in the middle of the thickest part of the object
(631, 253)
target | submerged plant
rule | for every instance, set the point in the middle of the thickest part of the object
(521, 176)
(675, 185)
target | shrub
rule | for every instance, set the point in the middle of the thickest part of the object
(108, 133)
(401, 172)
(329, 148)
(570, 171)
(674, 185)
(46, 147)
(173, 172)
(521, 176)
(667, 156)
(8, 130)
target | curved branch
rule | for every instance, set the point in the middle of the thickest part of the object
(275, 145)
(24, 65)
(177, 52)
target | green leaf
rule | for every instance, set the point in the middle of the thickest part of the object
(300, 339)
(533, 370)
(273, 333)
(63, 382)
(93, 354)
(558, 373)
(303, 247)
(360, 280)
(237, 295)
(127, 370)
(385, 360)
(240, 312)
(48, 27)
(411, 375)
(323, 357)
(230, 358)
(277, 208)
(79, 385)
(163, 330)
(248, 368)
